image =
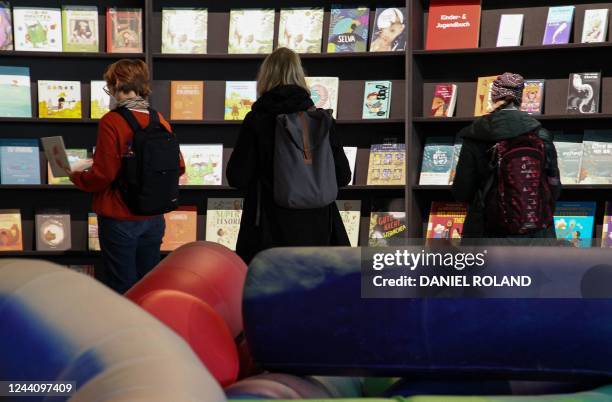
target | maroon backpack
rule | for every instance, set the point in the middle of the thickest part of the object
(517, 197)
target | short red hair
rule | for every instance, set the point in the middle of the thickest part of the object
(128, 75)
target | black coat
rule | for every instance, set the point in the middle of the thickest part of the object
(472, 168)
(252, 163)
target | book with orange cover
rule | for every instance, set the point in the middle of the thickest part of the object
(483, 103)
(453, 24)
(186, 100)
(11, 238)
(124, 30)
(181, 228)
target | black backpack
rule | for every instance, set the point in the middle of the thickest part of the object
(150, 169)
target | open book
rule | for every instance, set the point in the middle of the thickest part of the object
(55, 151)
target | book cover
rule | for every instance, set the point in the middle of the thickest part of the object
(574, 221)
(569, 156)
(387, 164)
(184, 30)
(532, 101)
(324, 92)
(80, 28)
(444, 100)
(595, 25)
(19, 161)
(59, 99)
(376, 100)
(484, 104)
(301, 29)
(456, 154)
(11, 234)
(239, 97)
(124, 30)
(93, 241)
(37, 29)
(387, 223)
(348, 29)
(558, 25)
(596, 166)
(510, 30)
(351, 155)
(453, 24)
(6, 26)
(389, 30)
(350, 212)
(223, 221)
(74, 156)
(100, 100)
(203, 164)
(53, 230)
(251, 31)
(88, 270)
(186, 100)
(16, 99)
(181, 228)
(583, 93)
(437, 160)
(606, 233)
(446, 220)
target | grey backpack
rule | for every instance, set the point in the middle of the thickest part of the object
(304, 168)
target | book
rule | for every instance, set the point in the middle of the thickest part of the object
(595, 27)
(53, 230)
(6, 26)
(510, 30)
(532, 101)
(100, 100)
(184, 30)
(351, 155)
(387, 223)
(453, 24)
(16, 100)
(348, 29)
(75, 156)
(574, 222)
(124, 30)
(37, 29)
(301, 29)
(93, 241)
(558, 25)
(456, 154)
(583, 93)
(569, 156)
(186, 100)
(223, 221)
(376, 100)
(57, 157)
(437, 160)
(19, 161)
(387, 164)
(606, 231)
(203, 164)
(59, 99)
(446, 220)
(181, 228)
(88, 270)
(389, 30)
(484, 104)
(80, 29)
(239, 97)
(350, 212)
(596, 166)
(11, 233)
(324, 92)
(251, 31)
(444, 100)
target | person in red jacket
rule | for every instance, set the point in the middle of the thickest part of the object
(130, 244)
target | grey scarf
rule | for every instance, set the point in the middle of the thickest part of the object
(136, 103)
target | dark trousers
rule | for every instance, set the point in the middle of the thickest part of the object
(130, 249)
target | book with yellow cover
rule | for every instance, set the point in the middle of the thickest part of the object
(10, 230)
(186, 100)
(484, 104)
(181, 228)
(59, 99)
(387, 164)
(239, 97)
(350, 212)
(93, 241)
(100, 100)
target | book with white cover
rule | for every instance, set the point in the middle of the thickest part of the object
(595, 26)
(510, 30)
(351, 155)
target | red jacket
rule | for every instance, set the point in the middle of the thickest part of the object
(114, 134)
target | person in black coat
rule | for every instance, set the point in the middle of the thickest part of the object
(282, 89)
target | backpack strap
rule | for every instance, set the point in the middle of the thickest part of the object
(306, 138)
(128, 116)
(153, 119)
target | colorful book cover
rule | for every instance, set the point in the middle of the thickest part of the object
(437, 161)
(6, 26)
(19, 161)
(387, 164)
(181, 228)
(444, 100)
(37, 29)
(53, 230)
(74, 156)
(80, 27)
(203, 165)
(239, 97)
(93, 241)
(251, 31)
(348, 29)
(88, 270)
(186, 100)
(124, 30)
(324, 92)
(574, 222)
(596, 166)
(350, 212)
(606, 233)
(301, 29)
(569, 156)
(389, 30)
(11, 233)
(595, 26)
(100, 100)
(456, 154)
(351, 155)
(583, 93)
(484, 104)
(184, 30)
(376, 100)
(387, 223)
(558, 25)
(59, 99)
(16, 99)
(446, 220)
(532, 101)
(453, 24)
(223, 221)
(510, 30)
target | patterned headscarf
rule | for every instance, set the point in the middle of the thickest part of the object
(508, 85)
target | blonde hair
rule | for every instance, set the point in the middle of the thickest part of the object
(281, 67)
